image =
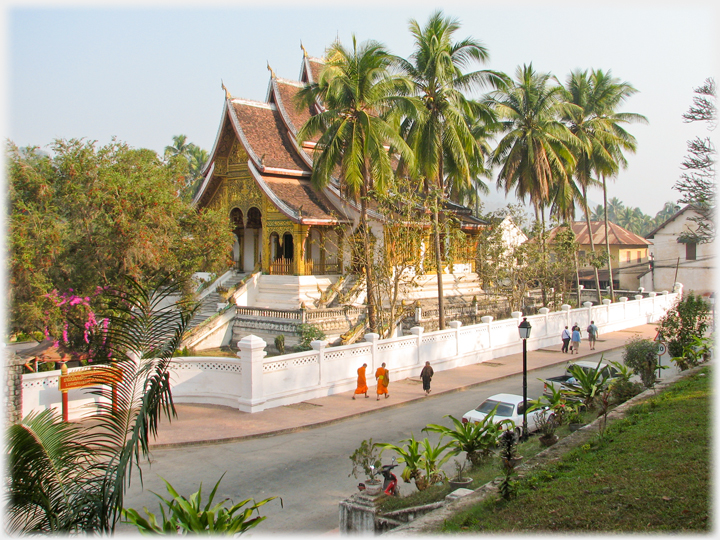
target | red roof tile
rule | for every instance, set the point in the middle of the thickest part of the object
(266, 135)
(617, 235)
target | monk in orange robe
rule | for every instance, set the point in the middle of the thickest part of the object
(361, 383)
(383, 380)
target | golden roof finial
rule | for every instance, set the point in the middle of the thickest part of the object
(305, 54)
(272, 73)
(227, 92)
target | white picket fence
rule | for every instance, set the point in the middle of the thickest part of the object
(253, 383)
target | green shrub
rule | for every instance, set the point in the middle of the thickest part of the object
(621, 390)
(688, 319)
(280, 343)
(183, 515)
(642, 356)
(308, 333)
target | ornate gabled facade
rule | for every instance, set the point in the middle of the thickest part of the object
(260, 176)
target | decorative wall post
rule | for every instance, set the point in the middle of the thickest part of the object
(487, 319)
(588, 306)
(251, 351)
(373, 338)
(455, 325)
(544, 311)
(319, 346)
(566, 308)
(417, 331)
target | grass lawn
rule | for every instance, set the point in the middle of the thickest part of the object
(649, 472)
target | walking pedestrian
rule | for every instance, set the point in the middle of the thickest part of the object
(382, 375)
(566, 335)
(575, 340)
(426, 375)
(593, 332)
(362, 387)
(574, 327)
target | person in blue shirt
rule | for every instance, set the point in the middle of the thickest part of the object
(575, 340)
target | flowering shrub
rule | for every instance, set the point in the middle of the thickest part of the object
(81, 336)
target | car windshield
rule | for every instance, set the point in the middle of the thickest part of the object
(503, 409)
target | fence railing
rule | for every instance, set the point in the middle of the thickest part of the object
(253, 382)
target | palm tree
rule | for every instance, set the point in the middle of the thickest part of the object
(614, 207)
(614, 94)
(445, 136)
(68, 479)
(357, 93)
(535, 153)
(598, 212)
(180, 147)
(587, 122)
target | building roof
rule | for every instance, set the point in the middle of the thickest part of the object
(281, 168)
(669, 220)
(616, 234)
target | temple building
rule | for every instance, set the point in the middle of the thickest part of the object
(259, 175)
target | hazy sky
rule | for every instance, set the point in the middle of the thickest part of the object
(145, 74)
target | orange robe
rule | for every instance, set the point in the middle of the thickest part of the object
(383, 380)
(362, 383)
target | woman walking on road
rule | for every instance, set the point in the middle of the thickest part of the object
(361, 382)
(426, 375)
(383, 380)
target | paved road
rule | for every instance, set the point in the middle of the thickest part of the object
(309, 469)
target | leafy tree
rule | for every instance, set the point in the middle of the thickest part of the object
(697, 182)
(357, 91)
(87, 216)
(684, 322)
(445, 135)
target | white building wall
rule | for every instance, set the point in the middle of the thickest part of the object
(671, 264)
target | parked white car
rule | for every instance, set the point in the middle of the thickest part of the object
(509, 407)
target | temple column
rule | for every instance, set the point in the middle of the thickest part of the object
(300, 233)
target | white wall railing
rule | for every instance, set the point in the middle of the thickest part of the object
(253, 383)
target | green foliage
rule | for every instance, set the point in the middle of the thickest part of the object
(589, 383)
(280, 343)
(507, 487)
(187, 516)
(688, 319)
(88, 216)
(308, 333)
(642, 356)
(366, 458)
(66, 480)
(423, 461)
(477, 439)
(621, 390)
(695, 352)
(556, 403)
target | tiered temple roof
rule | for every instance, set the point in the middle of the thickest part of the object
(281, 167)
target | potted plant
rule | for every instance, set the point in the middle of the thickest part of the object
(547, 424)
(574, 417)
(366, 459)
(460, 481)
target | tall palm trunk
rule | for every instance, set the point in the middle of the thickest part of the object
(438, 253)
(369, 283)
(543, 290)
(607, 243)
(592, 246)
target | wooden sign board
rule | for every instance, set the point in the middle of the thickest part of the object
(92, 376)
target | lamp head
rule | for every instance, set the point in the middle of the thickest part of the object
(524, 328)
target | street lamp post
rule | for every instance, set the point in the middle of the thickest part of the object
(524, 330)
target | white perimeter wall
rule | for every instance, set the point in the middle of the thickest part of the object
(252, 383)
